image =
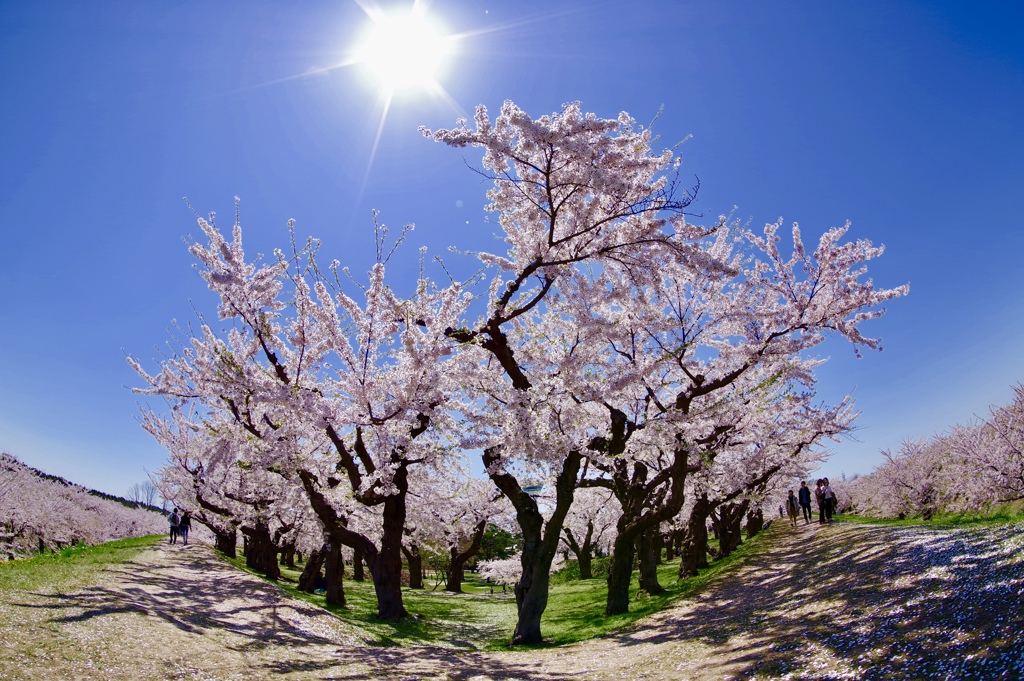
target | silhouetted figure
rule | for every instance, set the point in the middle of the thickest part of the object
(173, 519)
(184, 527)
(830, 501)
(819, 496)
(804, 496)
(791, 504)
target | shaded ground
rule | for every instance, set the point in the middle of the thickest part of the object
(843, 601)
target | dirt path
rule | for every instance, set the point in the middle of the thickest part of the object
(844, 601)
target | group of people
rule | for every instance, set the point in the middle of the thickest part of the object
(823, 494)
(180, 526)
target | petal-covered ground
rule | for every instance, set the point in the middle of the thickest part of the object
(837, 602)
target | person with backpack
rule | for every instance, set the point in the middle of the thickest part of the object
(805, 501)
(174, 521)
(185, 526)
(819, 496)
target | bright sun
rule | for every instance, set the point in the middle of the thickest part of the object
(404, 51)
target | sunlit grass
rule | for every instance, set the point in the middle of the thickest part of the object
(481, 620)
(995, 514)
(71, 567)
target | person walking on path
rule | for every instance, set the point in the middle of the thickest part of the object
(830, 501)
(185, 526)
(174, 521)
(791, 505)
(805, 501)
(819, 496)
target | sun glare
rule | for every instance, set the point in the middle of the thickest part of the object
(404, 52)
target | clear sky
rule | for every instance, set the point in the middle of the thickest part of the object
(902, 117)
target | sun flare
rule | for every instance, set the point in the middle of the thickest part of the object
(404, 52)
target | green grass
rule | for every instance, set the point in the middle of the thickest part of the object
(70, 567)
(480, 620)
(996, 514)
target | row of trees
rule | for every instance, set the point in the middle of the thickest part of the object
(39, 513)
(968, 468)
(615, 348)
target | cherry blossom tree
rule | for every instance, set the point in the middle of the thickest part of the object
(617, 346)
(590, 526)
(966, 469)
(572, 192)
(596, 232)
(322, 389)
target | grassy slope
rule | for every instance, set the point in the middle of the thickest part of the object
(575, 609)
(996, 514)
(70, 568)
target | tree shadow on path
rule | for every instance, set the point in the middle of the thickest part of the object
(839, 601)
(863, 602)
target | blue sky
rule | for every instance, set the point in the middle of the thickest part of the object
(903, 117)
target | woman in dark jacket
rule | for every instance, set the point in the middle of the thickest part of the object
(184, 526)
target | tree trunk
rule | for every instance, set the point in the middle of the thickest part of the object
(455, 572)
(288, 555)
(586, 562)
(458, 560)
(584, 552)
(694, 551)
(649, 562)
(310, 573)
(334, 570)
(261, 554)
(540, 540)
(620, 574)
(226, 542)
(386, 565)
(415, 562)
(727, 521)
(357, 566)
(641, 515)
(755, 522)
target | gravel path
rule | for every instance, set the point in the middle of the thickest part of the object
(836, 602)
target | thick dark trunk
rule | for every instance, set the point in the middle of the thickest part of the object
(415, 562)
(646, 503)
(694, 551)
(540, 540)
(649, 562)
(311, 572)
(620, 574)
(659, 546)
(261, 553)
(334, 571)
(455, 573)
(357, 566)
(755, 522)
(386, 565)
(459, 559)
(226, 542)
(586, 563)
(727, 521)
(288, 555)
